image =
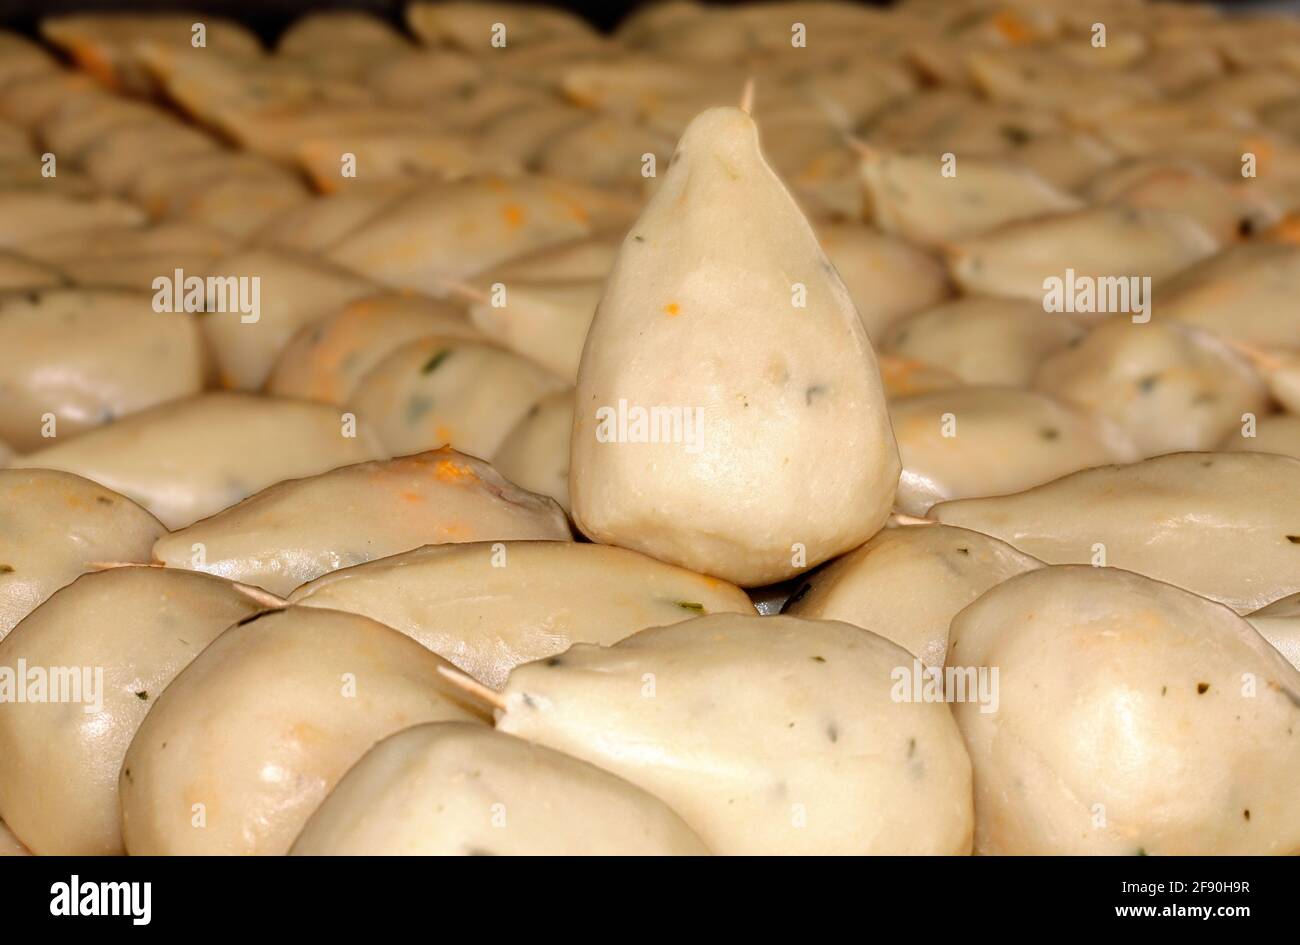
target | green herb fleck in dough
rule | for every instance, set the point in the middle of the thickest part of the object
(963, 551)
(103, 500)
(1141, 851)
(1294, 539)
(832, 733)
(639, 239)
(812, 392)
(1148, 383)
(911, 748)
(142, 695)
(432, 364)
(554, 661)
(417, 407)
(1202, 688)
(1015, 134)
(6, 569)
(1050, 433)
(819, 659)
(691, 606)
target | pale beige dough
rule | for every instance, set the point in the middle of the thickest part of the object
(1134, 718)
(11, 845)
(296, 531)
(907, 583)
(86, 357)
(139, 627)
(1169, 387)
(1245, 293)
(1222, 525)
(767, 734)
(1279, 624)
(55, 526)
(190, 458)
(1099, 242)
(535, 453)
(1275, 433)
(545, 322)
(328, 358)
(248, 740)
(447, 391)
(454, 789)
(491, 606)
(983, 340)
(911, 196)
(792, 422)
(955, 443)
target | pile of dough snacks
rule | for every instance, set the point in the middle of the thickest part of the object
(777, 429)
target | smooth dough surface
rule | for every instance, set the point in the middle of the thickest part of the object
(56, 526)
(454, 789)
(1222, 525)
(767, 734)
(295, 531)
(906, 584)
(791, 419)
(491, 606)
(139, 626)
(188, 459)
(1119, 696)
(248, 740)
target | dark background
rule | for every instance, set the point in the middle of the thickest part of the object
(269, 17)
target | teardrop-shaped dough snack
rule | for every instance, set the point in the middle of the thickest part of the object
(1222, 525)
(187, 459)
(247, 741)
(443, 391)
(295, 531)
(907, 583)
(445, 233)
(454, 789)
(87, 357)
(11, 845)
(1099, 242)
(912, 196)
(133, 629)
(983, 340)
(491, 606)
(31, 215)
(293, 291)
(956, 443)
(887, 277)
(57, 526)
(1170, 388)
(767, 734)
(784, 400)
(535, 453)
(329, 358)
(1246, 293)
(546, 322)
(1124, 695)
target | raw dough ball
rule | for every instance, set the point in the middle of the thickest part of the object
(251, 736)
(298, 530)
(185, 460)
(906, 584)
(1169, 388)
(956, 443)
(491, 606)
(134, 628)
(1132, 704)
(767, 734)
(1222, 525)
(57, 526)
(452, 789)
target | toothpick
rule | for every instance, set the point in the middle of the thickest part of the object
(466, 291)
(747, 97)
(900, 518)
(263, 597)
(473, 688)
(110, 565)
(1264, 360)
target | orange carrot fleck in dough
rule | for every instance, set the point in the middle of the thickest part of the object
(497, 184)
(443, 433)
(672, 309)
(513, 214)
(1287, 230)
(448, 470)
(1012, 28)
(412, 497)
